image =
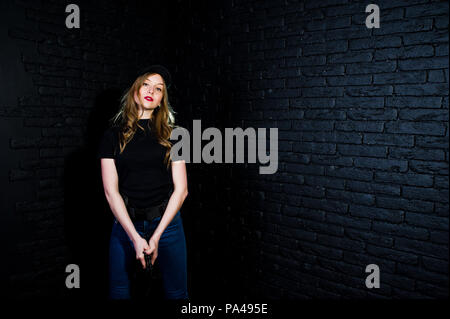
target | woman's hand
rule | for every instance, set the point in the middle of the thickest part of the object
(141, 246)
(153, 244)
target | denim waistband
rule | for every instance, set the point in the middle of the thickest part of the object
(157, 219)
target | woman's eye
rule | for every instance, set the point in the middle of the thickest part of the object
(159, 89)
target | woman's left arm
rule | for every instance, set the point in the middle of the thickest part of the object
(176, 200)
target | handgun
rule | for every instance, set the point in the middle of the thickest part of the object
(148, 263)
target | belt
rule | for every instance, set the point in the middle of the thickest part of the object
(147, 213)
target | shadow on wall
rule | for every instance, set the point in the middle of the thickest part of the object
(88, 218)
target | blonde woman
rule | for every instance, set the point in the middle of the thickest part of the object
(145, 189)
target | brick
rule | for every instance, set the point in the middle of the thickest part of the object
(312, 125)
(362, 150)
(400, 77)
(327, 182)
(436, 291)
(375, 213)
(316, 148)
(324, 228)
(340, 242)
(425, 194)
(270, 104)
(439, 237)
(353, 197)
(418, 51)
(426, 220)
(349, 57)
(376, 42)
(414, 271)
(310, 191)
(324, 159)
(372, 67)
(414, 102)
(309, 70)
(325, 48)
(397, 281)
(401, 230)
(359, 91)
(298, 234)
(363, 259)
(424, 167)
(416, 153)
(388, 139)
(312, 103)
(392, 254)
(435, 36)
(423, 115)
(419, 128)
(406, 204)
(331, 23)
(308, 61)
(335, 137)
(436, 76)
(404, 178)
(320, 250)
(441, 182)
(352, 32)
(441, 22)
(347, 220)
(435, 265)
(350, 173)
(369, 237)
(381, 164)
(421, 89)
(432, 142)
(342, 289)
(322, 92)
(299, 169)
(376, 188)
(349, 80)
(422, 10)
(441, 50)
(325, 114)
(359, 126)
(411, 25)
(326, 205)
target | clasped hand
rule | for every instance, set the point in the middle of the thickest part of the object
(143, 247)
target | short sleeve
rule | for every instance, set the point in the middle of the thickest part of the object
(107, 145)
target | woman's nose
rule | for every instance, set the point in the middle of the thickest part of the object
(150, 88)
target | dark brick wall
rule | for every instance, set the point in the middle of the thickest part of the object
(61, 85)
(363, 142)
(363, 139)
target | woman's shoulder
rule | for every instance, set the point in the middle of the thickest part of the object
(111, 132)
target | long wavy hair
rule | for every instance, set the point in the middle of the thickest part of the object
(162, 121)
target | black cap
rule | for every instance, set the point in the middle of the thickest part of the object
(161, 70)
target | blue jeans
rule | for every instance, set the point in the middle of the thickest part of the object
(171, 258)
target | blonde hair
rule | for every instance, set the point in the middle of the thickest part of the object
(161, 124)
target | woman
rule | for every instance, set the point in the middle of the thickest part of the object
(138, 174)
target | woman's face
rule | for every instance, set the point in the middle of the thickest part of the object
(151, 93)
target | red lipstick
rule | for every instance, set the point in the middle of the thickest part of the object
(148, 98)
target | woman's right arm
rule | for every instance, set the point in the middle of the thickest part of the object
(115, 200)
(117, 205)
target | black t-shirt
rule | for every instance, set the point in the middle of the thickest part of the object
(143, 175)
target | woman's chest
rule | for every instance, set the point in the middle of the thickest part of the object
(142, 152)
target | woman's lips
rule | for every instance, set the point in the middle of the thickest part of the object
(148, 98)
